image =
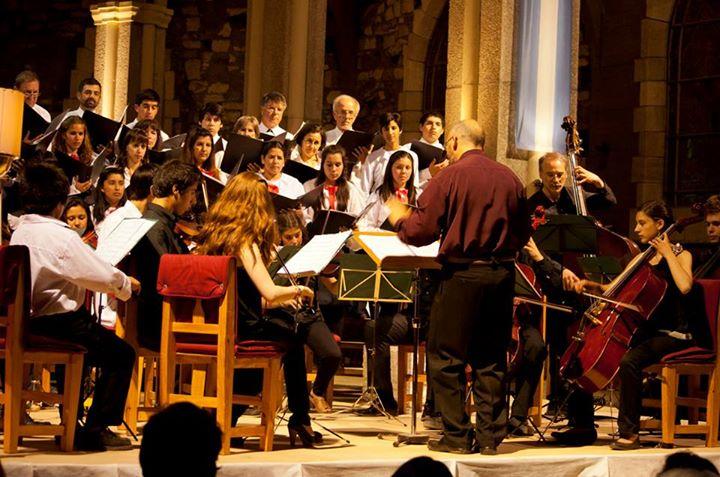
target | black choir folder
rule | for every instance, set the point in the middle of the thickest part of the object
(101, 130)
(281, 202)
(33, 124)
(351, 140)
(426, 154)
(330, 222)
(241, 151)
(300, 171)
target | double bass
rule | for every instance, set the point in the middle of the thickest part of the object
(609, 243)
(608, 325)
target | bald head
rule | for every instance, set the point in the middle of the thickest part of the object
(462, 137)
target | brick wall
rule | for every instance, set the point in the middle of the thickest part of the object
(207, 53)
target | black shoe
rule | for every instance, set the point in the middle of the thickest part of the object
(237, 442)
(298, 430)
(374, 411)
(112, 441)
(432, 422)
(89, 441)
(518, 428)
(439, 445)
(576, 436)
(622, 446)
(488, 450)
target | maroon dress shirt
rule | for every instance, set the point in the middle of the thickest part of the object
(476, 206)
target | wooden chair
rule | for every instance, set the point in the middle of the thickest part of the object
(694, 361)
(139, 406)
(18, 348)
(405, 377)
(199, 328)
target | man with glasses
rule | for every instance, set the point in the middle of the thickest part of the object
(28, 83)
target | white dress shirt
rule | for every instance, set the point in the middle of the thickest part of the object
(425, 175)
(356, 199)
(287, 185)
(42, 112)
(276, 131)
(373, 171)
(333, 136)
(62, 267)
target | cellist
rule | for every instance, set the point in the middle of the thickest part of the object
(672, 327)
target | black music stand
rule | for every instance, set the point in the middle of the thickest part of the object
(600, 269)
(567, 233)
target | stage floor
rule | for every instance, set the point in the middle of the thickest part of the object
(366, 455)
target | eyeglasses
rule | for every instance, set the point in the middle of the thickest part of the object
(31, 94)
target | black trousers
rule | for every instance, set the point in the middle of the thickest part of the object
(648, 350)
(113, 358)
(278, 328)
(529, 370)
(470, 322)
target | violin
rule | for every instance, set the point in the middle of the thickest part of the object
(608, 325)
(90, 238)
(187, 231)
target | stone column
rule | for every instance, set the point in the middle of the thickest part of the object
(129, 51)
(649, 117)
(481, 69)
(286, 52)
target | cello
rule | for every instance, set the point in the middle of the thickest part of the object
(608, 325)
(609, 243)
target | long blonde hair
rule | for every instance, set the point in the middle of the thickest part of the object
(241, 216)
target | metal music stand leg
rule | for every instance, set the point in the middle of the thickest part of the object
(413, 437)
(370, 394)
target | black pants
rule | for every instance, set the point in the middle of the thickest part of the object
(529, 370)
(648, 351)
(113, 358)
(470, 322)
(390, 328)
(278, 328)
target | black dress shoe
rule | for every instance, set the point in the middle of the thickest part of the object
(576, 436)
(518, 428)
(432, 422)
(488, 450)
(439, 445)
(622, 446)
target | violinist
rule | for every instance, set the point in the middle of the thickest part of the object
(673, 326)
(314, 331)
(709, 259)
(174, 189)
(241, 224)
(553, 195)
(77, 215)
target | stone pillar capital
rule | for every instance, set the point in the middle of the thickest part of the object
(130, 11)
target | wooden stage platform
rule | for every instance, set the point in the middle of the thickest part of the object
(366, 456)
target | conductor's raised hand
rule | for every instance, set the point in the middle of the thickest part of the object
(435, 168)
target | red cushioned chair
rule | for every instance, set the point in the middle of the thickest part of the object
(18, 348)
(199, 328)
(692, 362)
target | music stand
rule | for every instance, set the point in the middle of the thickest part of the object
(388, 277)
(600, 269)
(567, 233)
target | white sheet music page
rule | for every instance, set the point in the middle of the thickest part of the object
(117, 243)
(391, 246)
(315, 256)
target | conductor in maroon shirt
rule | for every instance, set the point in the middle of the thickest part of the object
(477, 208)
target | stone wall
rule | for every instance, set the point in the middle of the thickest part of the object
(45, 35)
(378, 82)
(207, 53)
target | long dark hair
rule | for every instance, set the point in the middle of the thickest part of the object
(76, 201)
(133, 136)
(100, 202)
(388, 186)
(146, 124)
(196, 134)
(658, 210)
(343, 192)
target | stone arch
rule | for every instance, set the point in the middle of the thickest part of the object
(410, 101)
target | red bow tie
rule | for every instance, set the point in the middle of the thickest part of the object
(332, 194)
(273, 188)
(75, 156)
(402, 195)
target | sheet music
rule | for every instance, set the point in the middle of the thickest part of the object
(316, 255)
(390, 245)
(117, 243)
